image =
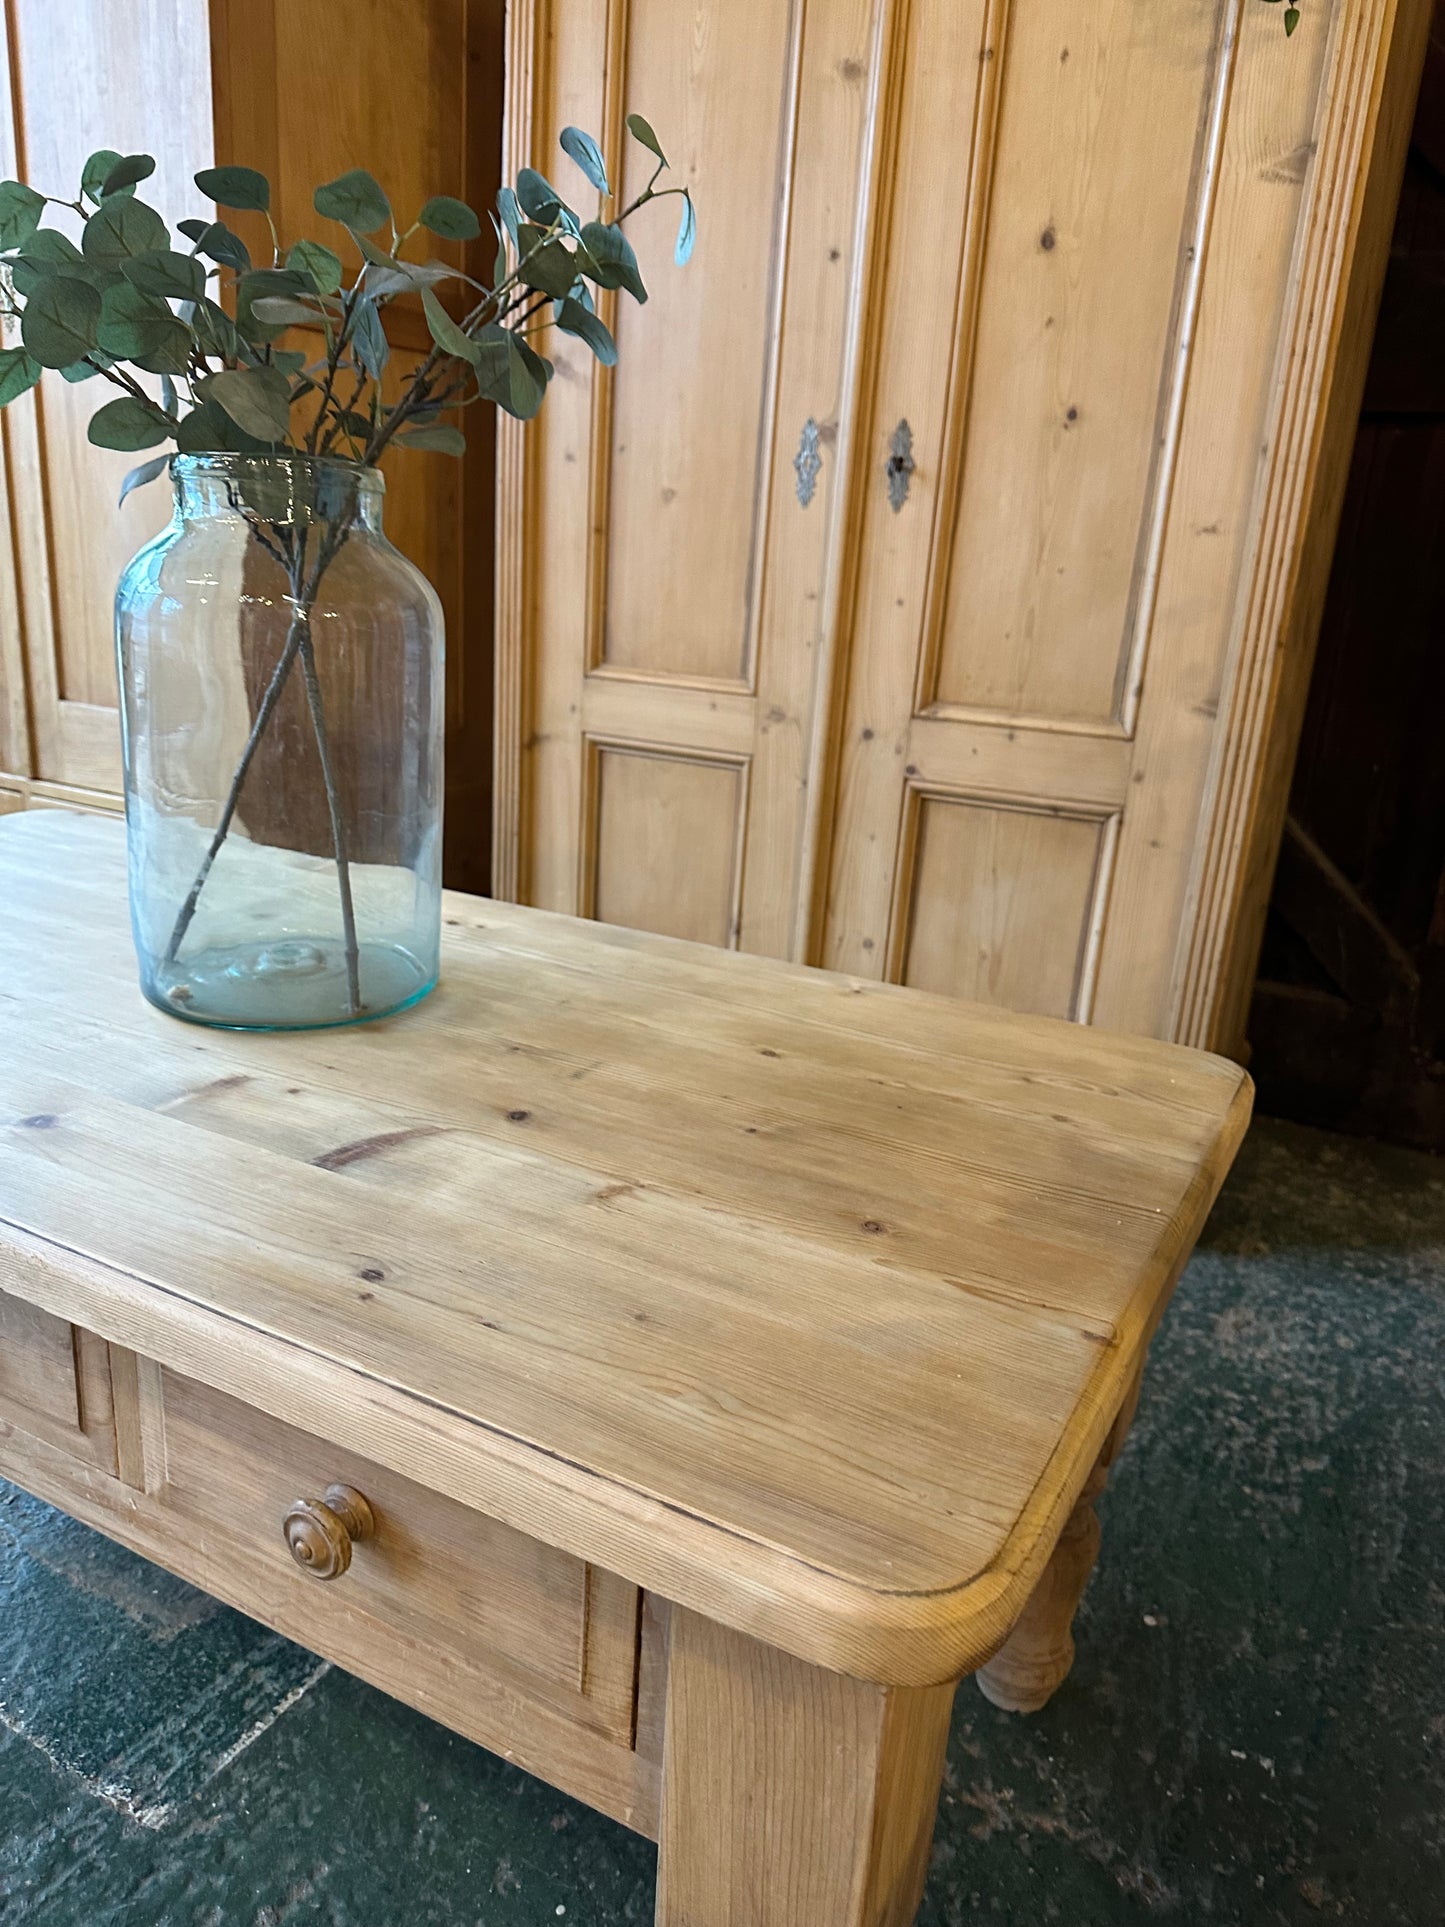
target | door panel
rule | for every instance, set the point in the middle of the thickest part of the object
(678, 603)
(1075, 279)
(1002, 905)
(662, 815)
(1016, 590)
(422, 108)
(1058, 309)
(677, 598)
(82, 77)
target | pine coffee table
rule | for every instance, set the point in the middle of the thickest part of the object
(681, 1368)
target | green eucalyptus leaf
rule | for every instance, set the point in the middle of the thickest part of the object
(574, 319)
(640, 130)
(1291, 20)
(499, 263)
(686, 232)
(445, 332)
(356, 200)
(129, 169)
(368, 338)
(285, 311)
(453, 220)
(438, 436)
(354, 425)
(374, 256)
(319, 263)
(138, 327)
(406, 277)
(121, 228)
(208, 429)
(584, 150)
(258, 400)
(612, 261)
(240, 187)
(61, 321)
(47, 246)
(172, 276)
(494, 360)
(128, 423)
(289, 360)
(261, 284)
(528, 376)
(25, 278)
(48, 251)
(95, 363)
(138, 477)
(216, 334)
(20, 211)
(19, 372)
(546, 264)
(218, 243)
(539, 200)
(510, 210)
(96, 172)
(510, 374)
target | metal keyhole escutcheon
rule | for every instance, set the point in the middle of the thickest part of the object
(808, 462)
(900, 465)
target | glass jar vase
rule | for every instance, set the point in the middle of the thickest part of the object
(281, 707)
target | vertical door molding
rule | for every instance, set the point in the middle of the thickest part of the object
(1116, 270)
(77, 77)
(660, 581)
(827, 696)
(1377, 48)
(513, 694)
(15, 747)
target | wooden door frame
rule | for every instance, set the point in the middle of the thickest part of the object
(1367, 104)
(1363, 119)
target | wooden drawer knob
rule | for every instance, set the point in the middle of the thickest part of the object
(320, 1532)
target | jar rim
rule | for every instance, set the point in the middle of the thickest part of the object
(231, 461)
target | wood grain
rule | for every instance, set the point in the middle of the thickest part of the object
(1359, 142)
(433, 1570)
(55, 1383)
(424, 113)
(801, 1301)
(690, 619)
(790, 1794)
(80, 78)
(1098, 260)
(509, 1708)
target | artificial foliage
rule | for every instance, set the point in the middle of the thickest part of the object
(189, 329)
(191, 339)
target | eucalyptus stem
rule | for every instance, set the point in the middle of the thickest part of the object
(142, 309)
(299, 618)
(338, 822)
(298, 639)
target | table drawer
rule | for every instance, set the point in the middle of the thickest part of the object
(55, 1384)
(439, 1605)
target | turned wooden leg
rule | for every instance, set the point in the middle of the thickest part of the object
(792, 1797)
(1034, 1661)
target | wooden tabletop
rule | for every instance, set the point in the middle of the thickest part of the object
(802, 1300)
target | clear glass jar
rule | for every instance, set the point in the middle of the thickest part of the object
(282, 707)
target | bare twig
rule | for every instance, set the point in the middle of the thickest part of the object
(303, 593)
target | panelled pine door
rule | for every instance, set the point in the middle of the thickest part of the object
(234, 80)
(929, 592)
